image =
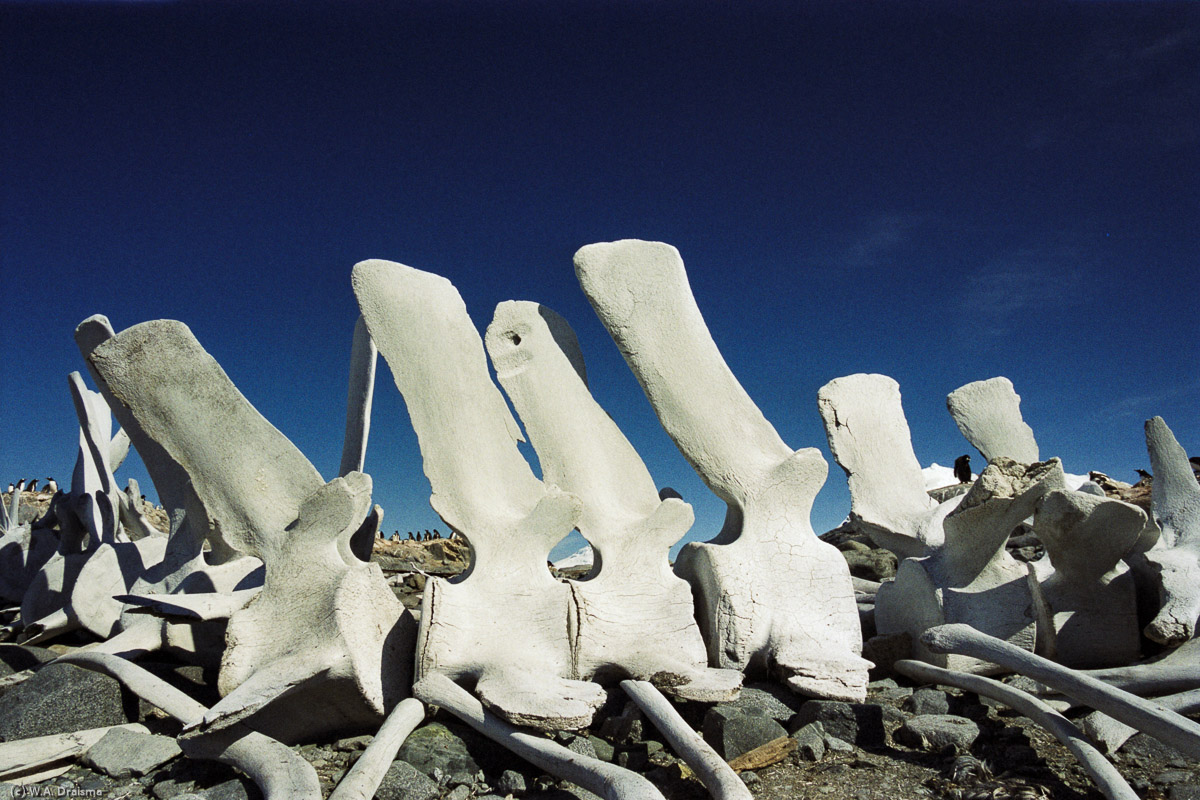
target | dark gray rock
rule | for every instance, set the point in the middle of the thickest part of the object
(624, 728)
(927, 701)
(122, 754)
(511, 782)
(731, 732)
(1141, 745)
(873, 564)
(856, 723)
(810, 742)
(235, 789)
(938, 732)
(604, 750)
(835, 745)
(458, 793)
(403, 781)
(450, 749)
(885, 650)
(768, 700)
(352, 743)
(63, 698)
(1184, 791)
(751, 779)
(583, 746)
(19, 657)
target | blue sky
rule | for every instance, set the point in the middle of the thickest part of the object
(941, 192)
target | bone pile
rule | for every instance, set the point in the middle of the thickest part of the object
(264, 574)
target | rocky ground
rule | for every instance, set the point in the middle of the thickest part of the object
(905, 741)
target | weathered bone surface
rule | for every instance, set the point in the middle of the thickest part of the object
(1110, 734)
(186, 566)
(505, 622)
(635, 617)
(359, 394)
(326, 637)
(1148, 717)
(605, 780)
(279, 773)
(40, 758)
(1175, 557)
(716, 775)
(799, 618)
(1091, 593)
(1105, 775)
(367, 773)
(971, 578)
(989, 415)
(869, 437)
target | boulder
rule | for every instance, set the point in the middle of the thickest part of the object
(938, 732)
(61, 698)
(403, 781)
(856, 723)
(123, 754)
(927, 701)
(732, 733)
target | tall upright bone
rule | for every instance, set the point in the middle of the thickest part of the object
(955, 567)
(1175, 557)
(635, 616)
(798, 618)
(322, 648)
(505, 622)
(989, 415)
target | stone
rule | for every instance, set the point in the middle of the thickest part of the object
(235, 789)
(833, 744)
(435, 746)
(884, 650)
(925, 701)
(766, 699)
(402, 781)
(798, 619)
(61, 698)
(604, 750)
(1184, 791)
(17, 658)
(511, 782)
(458, 793)
(731, 732)
(122, 754)
(856, 723)
(937, 732)
(810, 742)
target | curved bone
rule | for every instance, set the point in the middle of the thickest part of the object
(716, 775)
(505, 622)
(1111, 734)
(1172, 672)
(1175, 500)
(799, 618)
(280, 773)
(869, 437)
(605, 780)
(203, 607)
(1108, 780)
(635, 616)
(1167, 726)
(363, 357)
(93, 487)
(1091, 592)
(367, 773)
(989, 415)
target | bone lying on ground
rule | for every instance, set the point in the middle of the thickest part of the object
(608, 781)
(365, 776)
(1148, 717)
(716, 775)
(503, 623)
(40, 758)
(1111, 734)
(797, 619)
(278, 772)
(635, 617)
(1108, 780)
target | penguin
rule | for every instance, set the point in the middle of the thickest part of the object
(436, 535)
(51, 485)
(1144, 477)
(962, 469)
(396, 536)
(32, 486)
(1195, 462)
(21, 485)
(11, 486)
(410, 536)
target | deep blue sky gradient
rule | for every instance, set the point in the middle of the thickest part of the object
(941, 192)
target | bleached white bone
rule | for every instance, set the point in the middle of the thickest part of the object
(367, 773)
(1111, 734)
(1148, 717)
(869, 438)
(43, 757)
(504, 622)
(1091, 593)
(1108, 780)
(716, 775)
(988, 413)
(799, 618)
(326, 634)
(363, 357)
(608, 781)
(277, 770)
(1175, 557)
(635, 617)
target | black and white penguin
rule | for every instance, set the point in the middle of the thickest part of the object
(11, 487)
(32, 487)
(1143, 477)
(436, 535)
(962, 469)
(51, 485)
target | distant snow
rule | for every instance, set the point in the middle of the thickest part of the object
(580, 558)
(937, 476)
